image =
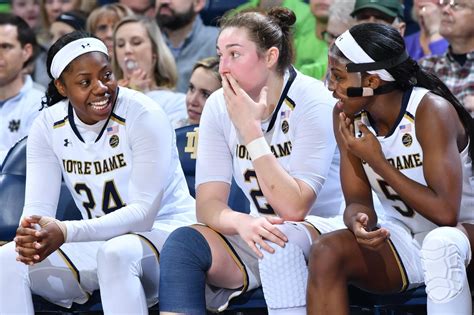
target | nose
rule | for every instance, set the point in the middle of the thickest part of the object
(100, 88)
(193, 98)
(223, 66)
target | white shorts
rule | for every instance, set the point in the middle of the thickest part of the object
(80, 259)
(217, 299)
(406, 248)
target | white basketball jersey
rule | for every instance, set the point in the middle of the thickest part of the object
(97, 169)
(403, 151)
(299, 133)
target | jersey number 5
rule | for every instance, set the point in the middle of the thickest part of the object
(257, 193)
(111, 200)
(398, 204)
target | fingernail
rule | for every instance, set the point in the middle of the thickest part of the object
(36, 257)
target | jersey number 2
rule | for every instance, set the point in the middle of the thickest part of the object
(111, 200)
(257, 193)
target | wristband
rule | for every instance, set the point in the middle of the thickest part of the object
(258, 148)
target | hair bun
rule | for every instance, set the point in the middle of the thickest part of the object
(283, 17)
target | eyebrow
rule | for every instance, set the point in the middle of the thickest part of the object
(89, 73)
(229, 46)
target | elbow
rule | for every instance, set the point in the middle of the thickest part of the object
(450, 217)
(298, 214)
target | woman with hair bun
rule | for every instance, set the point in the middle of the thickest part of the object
(269, 128)
(402, 134)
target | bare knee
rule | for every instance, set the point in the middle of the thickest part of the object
(327, 255)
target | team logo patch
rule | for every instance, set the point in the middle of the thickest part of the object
(114, 141)
(285, 126)
(407, 140)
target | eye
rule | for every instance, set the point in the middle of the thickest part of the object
(108, 75)
(205, 94)
(191, 88)
(84, 83)
(235, 54)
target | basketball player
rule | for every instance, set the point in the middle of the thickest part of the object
(404, 135)
(269, 127)
(115, 150)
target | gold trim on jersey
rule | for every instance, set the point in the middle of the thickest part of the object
(151, 245)
(409, 117)
(311, 225)
(290, 103)
(60, 123)
(118, 119)
(70, 265)
(235, 258)
(403, 272)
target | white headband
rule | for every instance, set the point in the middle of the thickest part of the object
(73, 50)
(349, 47)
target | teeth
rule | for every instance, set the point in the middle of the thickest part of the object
(100, 105)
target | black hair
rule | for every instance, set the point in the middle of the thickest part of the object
(26, 35)
(266, 30)
(382, 42)
(52, 95)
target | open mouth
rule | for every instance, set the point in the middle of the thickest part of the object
(100, 105)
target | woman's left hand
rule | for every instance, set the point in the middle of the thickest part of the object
(246, 114)
(366, 147)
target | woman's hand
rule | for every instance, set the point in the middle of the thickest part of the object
(370, 239)
(366, 147)
(254, 231)
(430, 19)
(246, 114)
(38, 245)
(137, 79)
(26, 241)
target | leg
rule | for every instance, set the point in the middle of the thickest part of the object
(56, 279)
(336, 259)
(284, 273)
(128, 271)
(446, 253)
(15, 293)
(191, 257)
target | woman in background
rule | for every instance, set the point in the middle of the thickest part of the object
(102, 20)
(142, 61)
(205, 79)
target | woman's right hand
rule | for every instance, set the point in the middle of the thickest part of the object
(370, 239)
(256, 230)
(137, 79)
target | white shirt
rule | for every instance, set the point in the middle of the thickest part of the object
(123, 173)
(300, 134)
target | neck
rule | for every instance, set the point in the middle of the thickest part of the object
(12, 88)
(384, 110)
(178, 36)
(321, 26)
(275, 86)
(462, 45)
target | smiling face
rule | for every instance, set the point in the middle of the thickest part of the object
(339, 81)
(90, 86)
(240, 58)
(132, 44)
(202, 83)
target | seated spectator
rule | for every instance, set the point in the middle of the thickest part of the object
(310, 47)
(456, 66)
(388, 12)
(339, 20)
(205, 79)
(427, 41)
(20, 101)
(50, 10)
(66, 23)
(143, 62)
(185, 34)
(140, 7)
(28, 10)
(102, 20)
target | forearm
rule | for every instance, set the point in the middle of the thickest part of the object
(287, 196)
(217, 215)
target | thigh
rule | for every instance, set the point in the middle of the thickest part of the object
(372, 270)
(225, 271)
